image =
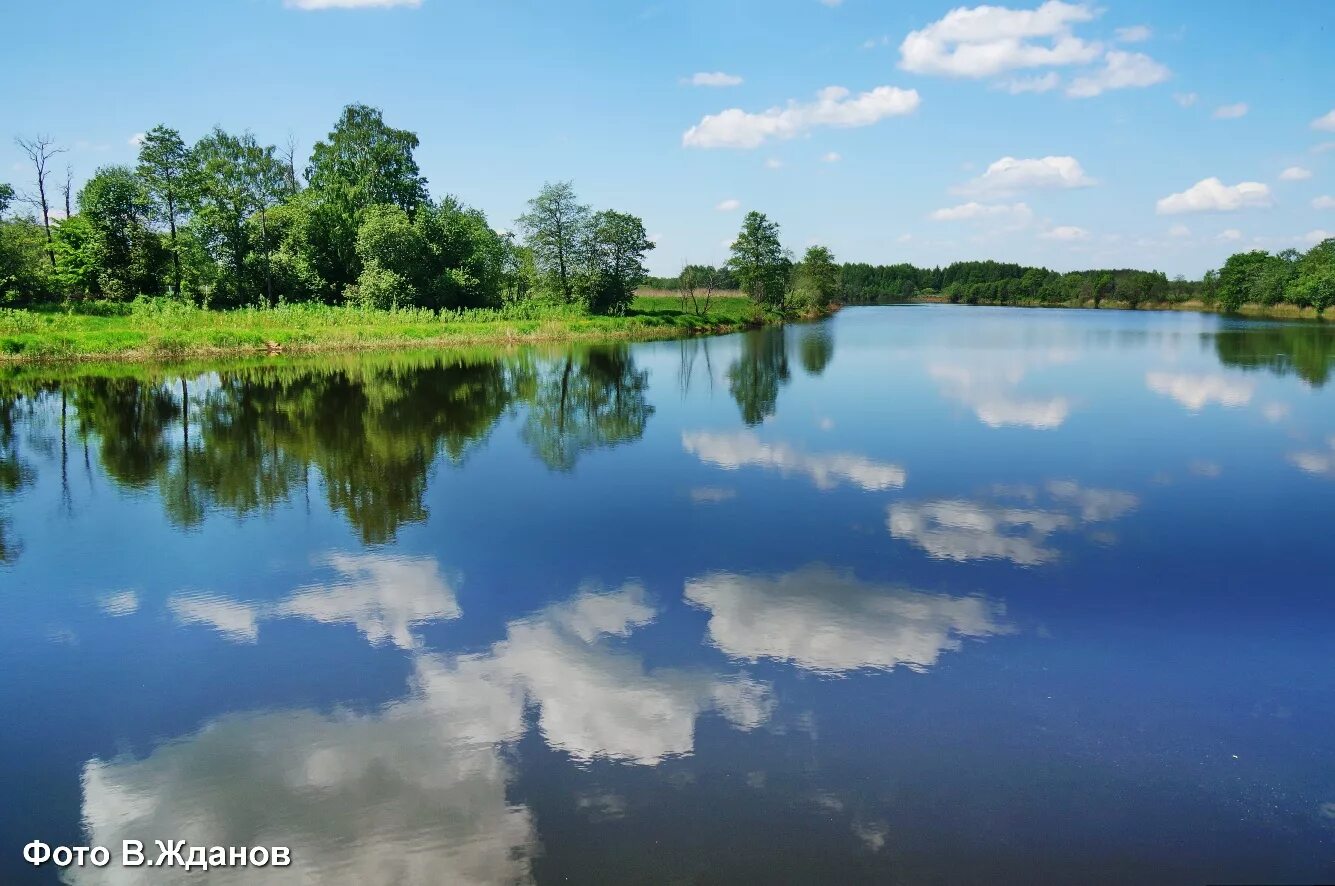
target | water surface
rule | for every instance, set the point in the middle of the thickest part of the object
(916, 595)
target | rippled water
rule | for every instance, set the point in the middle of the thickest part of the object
(916, 595)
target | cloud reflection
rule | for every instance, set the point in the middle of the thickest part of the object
(962, 530)
(830, 622)
(383, 596)
(1195, 392)
(414, 793)
(745, 449)
(992, 393)
(1321, 464)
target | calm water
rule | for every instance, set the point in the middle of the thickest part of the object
(918, 595)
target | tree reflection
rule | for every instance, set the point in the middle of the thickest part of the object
(1303, 349)
(755, 377)
(14, 475)
(816, 349)
(588, 399)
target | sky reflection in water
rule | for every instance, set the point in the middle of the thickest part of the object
(918, 593)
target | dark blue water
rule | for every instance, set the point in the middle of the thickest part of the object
(917, 595)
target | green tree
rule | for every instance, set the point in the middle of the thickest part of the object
(555, 229)
(1239, 278)
(1103, 288)
(760, 261)
(617, 244)
(363, 163)
(167, 168)
(6, 197)
(818, 277)
(129, 256)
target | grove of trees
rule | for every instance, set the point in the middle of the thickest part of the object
(228, 221)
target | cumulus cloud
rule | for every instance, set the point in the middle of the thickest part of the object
(972, 211)
(1038, 83)
(1325, 123)
(350, 4)
(963, 530)
(1067, 233)
(384, 597)
(1195, 392)
(1230, 234)
(1230, 112)
(745, 449)
(831, 623)
(834, 106)
(1185, 99)
(1295, 174)
(1121, 70)
(1325, 201)
(1134, 34)
(1212, 195)
(713, 78)
(732, 204)
(1011, 175)
(988, 40)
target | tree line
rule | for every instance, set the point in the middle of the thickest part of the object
(228, 221)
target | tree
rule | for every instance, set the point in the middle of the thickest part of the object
(1239, 278)
(818, 277)
(759, 260)
(40, 149)
(696, 282)
(169, 172)
(1103, 288)
(363, 163)
(555, 227)
(127, 255)
(616, 248)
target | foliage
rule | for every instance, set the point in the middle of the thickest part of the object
(760, 262)
(555, 228)
(127, 256)
(817, 278)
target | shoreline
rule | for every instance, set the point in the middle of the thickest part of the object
(651, 321)
(1196, 306)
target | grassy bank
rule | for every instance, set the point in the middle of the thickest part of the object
(164, 330)
(1259, 312)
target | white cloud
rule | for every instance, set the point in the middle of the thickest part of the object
(1198, 391)
(1325, 123)
(1230, 112)
(834, 106)
(831, 623)
(236, 621)
(350, 4)
(773, 163)
(1230, 234)
(730, 205)
(1185, 99)
(831, 3)
(962, 530)
(988, 40)
(1065, 232)
(1179, 230)
(745, 449)
(832, 157)
(1322, 147)
(136, 140)
(1295, 174)
(1317, 235)
(1011, 175)
(1212, 195)
(1134, 34)
(714, 78)
(974, 210)
(1325, 201)
(1038, 83)
(1121, 70)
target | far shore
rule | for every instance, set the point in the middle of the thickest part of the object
(1280, 311)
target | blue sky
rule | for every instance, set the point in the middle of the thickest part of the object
(1065, 134)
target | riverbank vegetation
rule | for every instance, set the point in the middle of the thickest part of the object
(223, 245)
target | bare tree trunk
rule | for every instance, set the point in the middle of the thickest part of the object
(69, 180)
(40, 149)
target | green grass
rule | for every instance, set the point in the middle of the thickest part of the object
(158, 329)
